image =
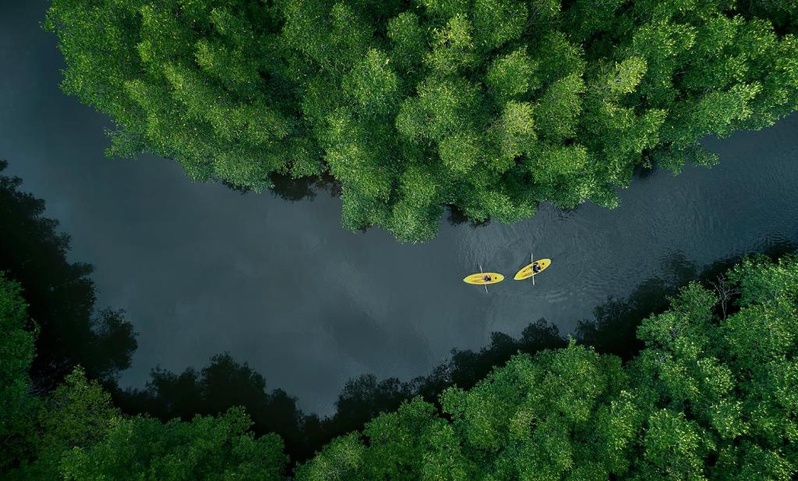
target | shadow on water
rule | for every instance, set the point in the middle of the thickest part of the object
(61, 295)
(220, 385)
(614, 325)
(293, 190)
(307, 188)
(457, 217)
(644, 171)
(613, 330)
(283, 186)
(773, 249)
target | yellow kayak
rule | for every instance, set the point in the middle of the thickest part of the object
(483, 278)
(526, 272)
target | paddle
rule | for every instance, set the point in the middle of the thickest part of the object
(481, 272)
(532, 261)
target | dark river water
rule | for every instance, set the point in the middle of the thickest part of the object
(201, 269)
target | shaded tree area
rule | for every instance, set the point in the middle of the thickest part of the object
(783, 13)
(295, 189)
(487, 107)
(465, 367)
(613, 329)
(218, 387)
(60, 295)
(75, 433)
(709, 397)
(16, 356)
(225, 383)
(56, 420)
(363, 397)
(25, 416)
(207, 447)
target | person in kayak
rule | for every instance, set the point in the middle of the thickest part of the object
(535, 268)
(486, 278)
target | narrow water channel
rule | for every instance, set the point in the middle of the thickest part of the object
(201, 269)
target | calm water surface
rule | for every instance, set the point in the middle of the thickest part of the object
(202, 270)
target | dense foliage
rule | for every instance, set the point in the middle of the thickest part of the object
(16, 356)
(487, 106)
(713, 395)
(78, 434)
(212, 448)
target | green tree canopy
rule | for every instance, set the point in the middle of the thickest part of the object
(213, 448)
(486, 106)
(77, 414)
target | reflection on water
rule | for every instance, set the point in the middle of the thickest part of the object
(746, 203)
(202, 270)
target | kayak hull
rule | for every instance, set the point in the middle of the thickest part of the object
(526, 271)
(479, 278)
